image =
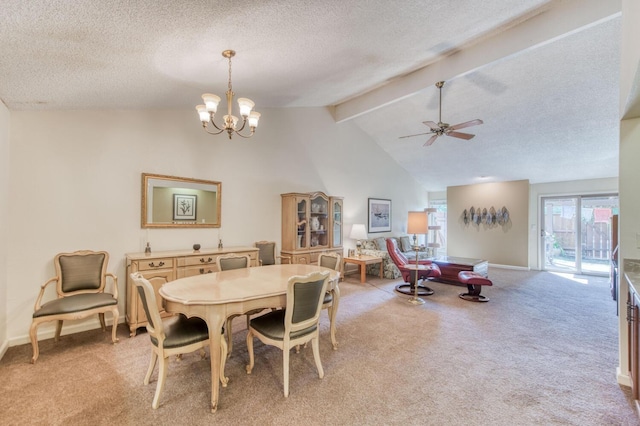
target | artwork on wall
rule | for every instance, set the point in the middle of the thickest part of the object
(488, 217)
(184, 207)
(379, 215)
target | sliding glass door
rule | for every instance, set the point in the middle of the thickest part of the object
(576, 233)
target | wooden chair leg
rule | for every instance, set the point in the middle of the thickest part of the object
(152, 365)
(285, 369)
(33, 335)
(103, 324)
(315, 345)
(58, 330)
(162, 375)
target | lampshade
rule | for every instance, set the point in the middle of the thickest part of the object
(418, 223)
(358, 232)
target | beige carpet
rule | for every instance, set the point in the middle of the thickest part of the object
(543, 351)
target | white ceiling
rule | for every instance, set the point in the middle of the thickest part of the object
(543, 75)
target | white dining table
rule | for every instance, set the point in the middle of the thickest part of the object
(216, 296)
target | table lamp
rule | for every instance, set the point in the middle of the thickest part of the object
(418, 224)
(358, 233)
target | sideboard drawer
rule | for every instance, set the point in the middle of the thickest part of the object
(156, 263)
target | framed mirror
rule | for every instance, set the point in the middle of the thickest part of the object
(176, 202)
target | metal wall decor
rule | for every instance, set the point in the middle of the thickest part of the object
(478, 215)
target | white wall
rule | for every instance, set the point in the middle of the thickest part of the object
(4, 202)
(75, 184)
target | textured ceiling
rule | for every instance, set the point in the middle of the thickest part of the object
(551, 111)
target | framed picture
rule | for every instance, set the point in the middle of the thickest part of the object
(184, 207)
(379, 215)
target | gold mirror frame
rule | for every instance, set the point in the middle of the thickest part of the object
(206, 212)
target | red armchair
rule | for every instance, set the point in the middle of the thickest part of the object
(408, 275)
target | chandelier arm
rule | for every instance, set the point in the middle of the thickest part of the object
(245, 136)
(206, 129)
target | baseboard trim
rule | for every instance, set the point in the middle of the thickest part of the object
(3, 348)
(48, 330)
(516, 268)
(623, 378)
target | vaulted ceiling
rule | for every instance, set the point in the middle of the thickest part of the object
(544, 76)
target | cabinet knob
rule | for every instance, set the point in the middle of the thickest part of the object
(153, 265)
(202, 271)
(206, 261)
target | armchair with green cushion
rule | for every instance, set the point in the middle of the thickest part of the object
(174, 336)
(81, 278)
(295, 325)
(267, 254)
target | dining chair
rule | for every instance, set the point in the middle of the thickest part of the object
(81, 279)
(174, 336)
(225, 263)
(331, 297)
(267, 254)
(294, 325)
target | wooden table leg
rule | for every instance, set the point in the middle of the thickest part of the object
(363, 272)
(332, 315)
(214, 322)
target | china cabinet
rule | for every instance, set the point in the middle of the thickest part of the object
(311, 224)
(161, 267)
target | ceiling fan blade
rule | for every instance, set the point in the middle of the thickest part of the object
(460, 135)
(466, 124)
(431, 140)
(431, 124)
(417, 134)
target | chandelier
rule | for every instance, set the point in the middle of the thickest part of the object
(230, 122)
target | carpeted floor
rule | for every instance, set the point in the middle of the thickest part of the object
(543, 351)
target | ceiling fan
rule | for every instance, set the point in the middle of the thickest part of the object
(444, 128)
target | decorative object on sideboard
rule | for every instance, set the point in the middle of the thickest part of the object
(230, 123)
(358, 233)
(147, 249)
(220, 246)
(196, 248)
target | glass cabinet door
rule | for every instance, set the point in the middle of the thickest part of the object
(337, 223)
(302, 223)
(319, 221)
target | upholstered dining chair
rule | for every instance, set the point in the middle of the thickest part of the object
(227, 262)
(81, 279)
(174, 336)
(295, 325)
(331, 297)
(267, 254)
(408, 274)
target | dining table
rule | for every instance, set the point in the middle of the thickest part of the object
(218, 295)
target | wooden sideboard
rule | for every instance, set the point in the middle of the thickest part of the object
(164, 266)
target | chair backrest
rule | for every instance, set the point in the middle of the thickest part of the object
(148, 298)
(395, 254)
(233, 261)
(305, 294)
(329, 260)
(82, 271)
(267, 252)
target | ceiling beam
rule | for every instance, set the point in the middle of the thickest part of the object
(563, 18)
